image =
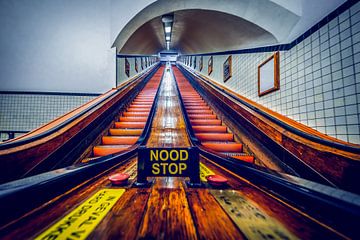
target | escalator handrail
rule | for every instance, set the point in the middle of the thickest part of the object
(50, 183)
(61, 125)
(316, 175)
(282, 124)
(194, 140)
(285, 189)
(74, 168)
(146, 132)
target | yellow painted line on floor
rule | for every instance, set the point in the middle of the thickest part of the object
(80, 222)
(254, 222)
(204, 172)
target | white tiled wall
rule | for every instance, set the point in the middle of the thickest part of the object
(319, 78)
(25, 112)
(120, 65)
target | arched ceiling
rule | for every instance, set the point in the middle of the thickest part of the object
(198, 31)
(204, 26)
(254, 16)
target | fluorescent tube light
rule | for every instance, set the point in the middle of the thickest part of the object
(167, 29)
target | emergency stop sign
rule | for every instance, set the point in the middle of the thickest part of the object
(169, 162)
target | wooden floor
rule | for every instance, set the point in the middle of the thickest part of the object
(170, 210)
(168, 128)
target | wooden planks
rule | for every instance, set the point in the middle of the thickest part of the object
(167, 216)
(168, 128)
(250, 218)
(124, 220)
(210, 220)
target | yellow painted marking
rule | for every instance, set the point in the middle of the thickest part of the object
(204, 172)
(249, 217)
(80, 222)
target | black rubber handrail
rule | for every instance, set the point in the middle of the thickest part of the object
(284, 125)
(307, 199)
(56, 128)
(146, 132)
(40, 188)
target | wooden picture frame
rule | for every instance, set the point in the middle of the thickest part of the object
(136, 65)
(227, 68)
(210, 65)
(127, 67)
(201, 63)
(268, 75)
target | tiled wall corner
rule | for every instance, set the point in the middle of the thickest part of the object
(319, 78)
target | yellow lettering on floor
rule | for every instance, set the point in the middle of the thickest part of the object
(204, 172)
(80, 222)
(249, 217)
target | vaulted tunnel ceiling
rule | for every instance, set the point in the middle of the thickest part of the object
(206, 26)
(198, 31)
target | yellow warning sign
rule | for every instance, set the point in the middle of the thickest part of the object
(204, 172)
(250, 218)
(79, 223)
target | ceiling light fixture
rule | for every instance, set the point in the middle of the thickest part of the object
(167, 24)
(167, 29)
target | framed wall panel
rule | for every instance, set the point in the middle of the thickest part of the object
(136, 65)
(210, 65)
(127, 67)
(227, 69)
(268, 75)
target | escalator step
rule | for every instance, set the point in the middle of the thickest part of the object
(136, 114)
(202, 116)
(109, 149)
(195, 104)
(210, 129)
(207, 122)
(130, 124)
(133, 119)
(130, 109)
(121, 140)
(125, 132)
(199, 111)
(221, 147)
(215, 136)
(140, 106)
(246, 158)
(197, 108)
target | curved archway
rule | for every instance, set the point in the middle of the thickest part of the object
(255, 15)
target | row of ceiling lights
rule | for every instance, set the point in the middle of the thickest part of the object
(167, 23)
